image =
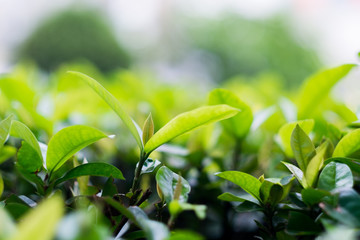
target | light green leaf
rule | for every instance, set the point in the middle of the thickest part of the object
(297, 173)
(92, 169)
(20, 130)
(353, 163)
(317, 87)
(4, 130)
(7, 226)
(315, 165)
(188, 121)
(247, 182)
(238, 125)
(113, 103)
(28, 158)
(176, 207)
(348, 145)
(7, 152)
(286, 130)
(40, 223)
(67, 142)
(167, 181)
(302, 147)
(148, 129)
(335, 175)
(184, 234)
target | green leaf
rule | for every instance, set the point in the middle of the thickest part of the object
(248, 206)
(20, 130)
(40, 223)
(122, 209)
(317, 87)
(154, 230)
(28, 158)
(188, 121)
(109, 188)
(176, 207)
(353, 163)
(271, 192)
(7, 226)
(301, 224)
(335, 175)
(297, 173)
(315, 165)
(148, 129)
(247, 182)
(67, 142)
(113, 103)
(348, 145)
(238, 125)
(1, 185)
(149, 165)
(285, 133)
(167, 181)
(233, 198)
(302, 147)
(183, 234)
(4, 130)
(7, 152)
(92, 169)
(313, 196)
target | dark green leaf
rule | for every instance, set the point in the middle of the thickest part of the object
(302, 224)
(109, 188)
(28, 158)
(232, 198)
(353, 163)
(248, 206)
(313, 196)
(271, 192)
(92, 169)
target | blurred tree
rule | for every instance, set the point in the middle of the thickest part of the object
(248, 47)
(74, 35)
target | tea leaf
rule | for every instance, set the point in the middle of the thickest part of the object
(348, 145)
(148, 129)
(335, 175)
(28, 158)
(318, 86)
(40, 223)
(149, 165)
(4, 130)
(238, 125)
(297, 173)
(313, 196)
(20, 130)
(67, 142)
(247, 182)
(92, 169)
(167, 182)
(353, 163)
(315, 164)
(286, 131)
(113, 103)
(302, 147)
(188, 121)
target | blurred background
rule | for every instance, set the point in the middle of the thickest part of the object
(181, 40)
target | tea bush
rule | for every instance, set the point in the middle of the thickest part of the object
(75, 163)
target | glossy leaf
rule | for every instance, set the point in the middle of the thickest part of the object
(315, 165)
(302, 147)
(348, 145)
(233, 198)
(248, 206)
(297, 173)
(353, 163)
(113, 103)
(167, 181)
(313, 196)
(150, 165)
(67, 142)
(188, 121)
(335, 175)
(154, 230)
(20, 130)
(286, 131)
(28, 158)
(40, 223)
(271, 192)
(238, 125)
(92, 169)
(317, 87)
(247, 182)
(4, 130)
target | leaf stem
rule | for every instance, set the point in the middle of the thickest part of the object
(137, 177)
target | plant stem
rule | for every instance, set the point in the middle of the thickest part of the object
(137, 177)
(269, 214)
